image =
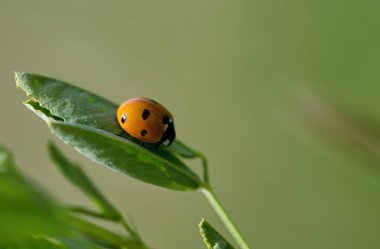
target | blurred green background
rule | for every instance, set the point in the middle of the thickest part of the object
(227, 70)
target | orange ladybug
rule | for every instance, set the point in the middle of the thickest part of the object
(147, 121)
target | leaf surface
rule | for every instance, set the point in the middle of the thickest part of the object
(88, 123)
(78, 177)
(24, 208)
(212, 238)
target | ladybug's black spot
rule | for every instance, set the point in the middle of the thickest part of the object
(124, 118)
(143, 133)
(166, 119)
(145, 114)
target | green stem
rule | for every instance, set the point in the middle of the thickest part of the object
(215, 203)
(205, 168)
(99, 234)
(127, 227)
(120, 219)
(88, 212)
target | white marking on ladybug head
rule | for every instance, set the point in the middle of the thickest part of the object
(166, 142)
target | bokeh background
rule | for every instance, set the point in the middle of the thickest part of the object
(229, 71)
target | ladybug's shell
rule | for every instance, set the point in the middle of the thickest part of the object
(135, 123)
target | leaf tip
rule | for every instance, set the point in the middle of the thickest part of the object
(203, 233)
(16, 74)
(20, 78)
(201, 223)
(201, 230)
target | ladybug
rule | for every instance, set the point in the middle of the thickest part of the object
(147, 121)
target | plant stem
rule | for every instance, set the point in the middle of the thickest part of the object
(90, 213)
(215, 203)
(205, 168)
(99, 234)
(127, 227)
(120, 219)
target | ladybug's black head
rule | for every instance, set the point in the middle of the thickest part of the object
(169, 135)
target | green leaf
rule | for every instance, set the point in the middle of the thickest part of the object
(183, 150)
(24, 208)
(125, 156)
(212, 238)
(70, 103)
(77, 176)
(88, 123)
(28, 215)
(33, 243)
(104, 237)
(77, 242)
(65, 102)
(7, 163)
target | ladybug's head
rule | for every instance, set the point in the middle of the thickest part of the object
(169, 135)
